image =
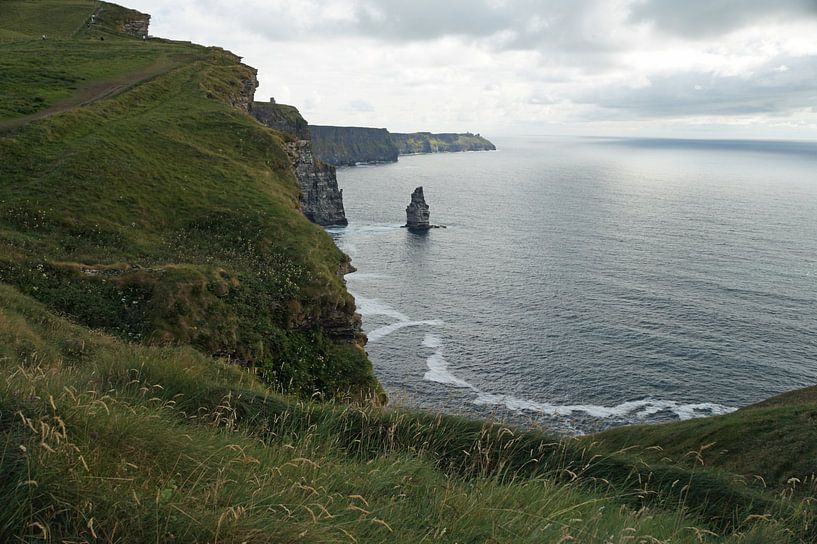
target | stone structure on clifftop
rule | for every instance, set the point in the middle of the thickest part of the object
(321, 199)
(417, 212)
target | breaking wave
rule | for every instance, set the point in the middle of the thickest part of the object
(438, 372)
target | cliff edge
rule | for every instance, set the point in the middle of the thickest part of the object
(426, 142)
(348, 146)
(321, 199)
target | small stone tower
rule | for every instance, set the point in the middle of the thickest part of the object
(417, 212)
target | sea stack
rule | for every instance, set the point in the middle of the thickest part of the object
(417, 213)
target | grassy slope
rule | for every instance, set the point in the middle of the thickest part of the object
(142, 233)
(57, 19)
(165, 215)
(768, 443)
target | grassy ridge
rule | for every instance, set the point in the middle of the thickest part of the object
(772, 444)
(347, 146)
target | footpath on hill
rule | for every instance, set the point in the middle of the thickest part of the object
(92, 92)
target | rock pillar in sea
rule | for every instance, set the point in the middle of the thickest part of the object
(417, 213)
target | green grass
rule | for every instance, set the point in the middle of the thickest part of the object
(37, 74)
(57, 19)
(772, 444)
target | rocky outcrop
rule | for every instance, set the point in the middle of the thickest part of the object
(282, 118)
(417, 212)
(136, 24)
(426, 142)
(321, 199)
(241, 96)
(348, 146)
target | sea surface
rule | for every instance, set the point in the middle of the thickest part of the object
(587, 283)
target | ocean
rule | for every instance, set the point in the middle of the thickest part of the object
(587, 283)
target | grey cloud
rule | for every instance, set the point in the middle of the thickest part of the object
(362, 106)
(774, 89)
(707, 18)
(558, 26)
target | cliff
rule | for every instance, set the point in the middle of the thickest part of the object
(321, 199)
(348, 146)
(426, 142)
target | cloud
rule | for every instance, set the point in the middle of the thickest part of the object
(504, 64)
(362, 106)
(766, 90)
(710, 18)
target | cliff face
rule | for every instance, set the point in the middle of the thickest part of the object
(426, 142)
(122, 20)
(321, 199)
(348, 146)
(137, 25)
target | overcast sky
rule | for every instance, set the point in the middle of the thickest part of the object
(685, 68)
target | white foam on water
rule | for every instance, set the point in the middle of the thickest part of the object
(381, 332)
(370, 307)
(637, 408)
(432, 341)
(438, 366)
(348, 248)
(358, 276)
(438, 372)
(379, 228)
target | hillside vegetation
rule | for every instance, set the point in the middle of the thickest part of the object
(772, 444)
(178, 349)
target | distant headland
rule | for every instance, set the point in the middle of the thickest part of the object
(348, 146)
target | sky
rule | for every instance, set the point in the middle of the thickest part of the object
(667, 68)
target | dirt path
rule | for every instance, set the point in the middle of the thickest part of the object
(93, 92)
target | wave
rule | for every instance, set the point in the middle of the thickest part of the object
(438, 372)
(377, 334)
(370, 307)
(639, 409)
(366, 276)
(438, 366)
